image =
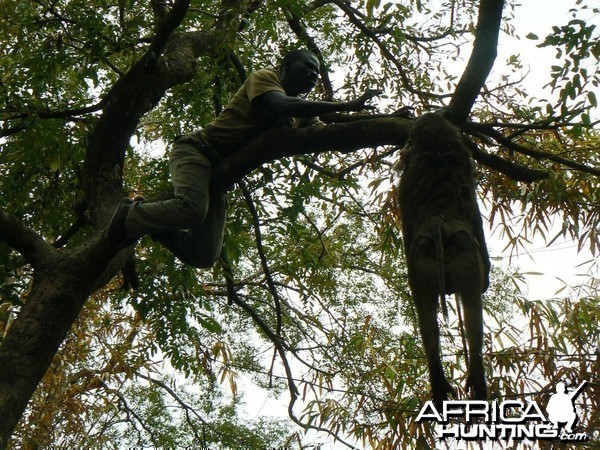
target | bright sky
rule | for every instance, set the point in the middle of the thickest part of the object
(560, 262)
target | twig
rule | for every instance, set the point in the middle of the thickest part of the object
(128, 410)
(277, 341)
(537, 154)
(187, 408)
(352, 14)
(261, 253)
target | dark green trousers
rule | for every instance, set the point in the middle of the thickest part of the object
(191, 225)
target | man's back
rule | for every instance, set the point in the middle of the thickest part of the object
(240, 121)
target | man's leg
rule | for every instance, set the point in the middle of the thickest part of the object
(200, 246)
(190, 175)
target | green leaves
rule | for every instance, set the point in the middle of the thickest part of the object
(330, 233)
(210, 324)
(577, 47)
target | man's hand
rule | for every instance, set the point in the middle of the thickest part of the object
(406, 112)
(360, 103)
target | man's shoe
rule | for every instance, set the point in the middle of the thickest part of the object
(116, 228)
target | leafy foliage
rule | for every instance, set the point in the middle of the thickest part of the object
(313, 240)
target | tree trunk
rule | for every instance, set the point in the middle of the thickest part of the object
(61, 284)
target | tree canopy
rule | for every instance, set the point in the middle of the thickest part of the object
(102, 347)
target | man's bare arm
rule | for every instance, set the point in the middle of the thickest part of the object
(277, 103)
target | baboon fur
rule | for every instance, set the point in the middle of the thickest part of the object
(444, 242)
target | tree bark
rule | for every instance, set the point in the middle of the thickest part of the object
(63, 280)
(480, 63)
(282, 142)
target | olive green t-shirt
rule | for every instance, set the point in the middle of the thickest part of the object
(239, 122)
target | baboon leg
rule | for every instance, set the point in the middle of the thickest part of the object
(424, 286)
(428, 325)
(474, 328)
(467, 271)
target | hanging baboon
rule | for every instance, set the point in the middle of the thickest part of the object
(444, 242)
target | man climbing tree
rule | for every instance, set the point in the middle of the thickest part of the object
(268, 98)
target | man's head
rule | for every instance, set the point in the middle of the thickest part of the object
(299, 72)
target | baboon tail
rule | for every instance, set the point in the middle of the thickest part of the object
(436, 231)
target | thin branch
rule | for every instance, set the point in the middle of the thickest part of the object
(61, 114)
(55, 13)
(352, 15)
(230, 284)
(81, 219)
(537, 154)
(307, 426)
(277, 341)
(250, 8)
(404, 112)
(285, 345)
(437, 37)
(343, 172)
(319, 235)
(15, 129)
(300, 31)
(261, 253)
(187, 408)
(128, 409)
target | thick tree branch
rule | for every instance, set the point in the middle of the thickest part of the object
(129, 100)
(159, 8)
(345, 137)
(282, 142)
(514, 171)
(26, 241)
(481, 61)
(166, 25)
(62, 285)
